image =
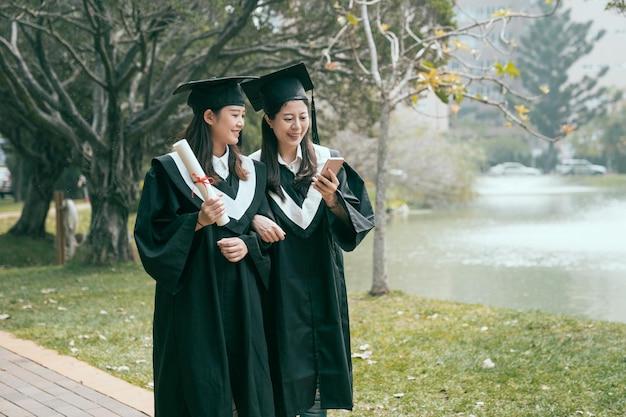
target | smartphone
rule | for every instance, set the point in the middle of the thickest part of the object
(333, 164)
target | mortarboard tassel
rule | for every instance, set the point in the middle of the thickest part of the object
(314, 135)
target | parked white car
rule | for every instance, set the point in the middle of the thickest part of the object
(579, 167)
(5, 181)
(513, 168)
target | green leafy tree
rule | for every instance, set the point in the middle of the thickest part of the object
(548, 50)
(99, 75)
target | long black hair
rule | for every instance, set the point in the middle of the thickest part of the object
(269, 156)
(198, 134)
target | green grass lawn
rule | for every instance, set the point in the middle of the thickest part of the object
(8, 204)
(24, 251)
(422, 357)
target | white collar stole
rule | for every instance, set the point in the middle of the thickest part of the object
(302, 216)
(235, 208)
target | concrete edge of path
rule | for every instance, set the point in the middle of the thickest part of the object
(94, 378)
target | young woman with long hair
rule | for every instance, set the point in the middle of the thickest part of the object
(209, 349)
(316, 215)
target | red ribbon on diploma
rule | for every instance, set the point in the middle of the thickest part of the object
(204, 180)
(197, 179)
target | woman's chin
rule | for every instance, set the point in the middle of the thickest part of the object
(294, 141)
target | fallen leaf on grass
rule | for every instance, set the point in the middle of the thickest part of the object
(362, 355)
(121, 368)
(488, 364)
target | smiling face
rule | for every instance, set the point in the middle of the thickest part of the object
(291, 123)
(226, 124)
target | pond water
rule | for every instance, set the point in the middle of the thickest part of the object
(546, 242)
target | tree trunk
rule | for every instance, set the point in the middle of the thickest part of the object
(21, 179)
(32, 221)
(551, 159)
(379, 278)
(108, 239)
(110, 178)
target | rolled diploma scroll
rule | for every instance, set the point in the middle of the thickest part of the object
(198, 176)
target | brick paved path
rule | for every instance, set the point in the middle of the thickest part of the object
(28, 389)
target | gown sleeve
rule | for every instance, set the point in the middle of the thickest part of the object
(163, 235)
(352, 196)
(258, 250)
(258, 254)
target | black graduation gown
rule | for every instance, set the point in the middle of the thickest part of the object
(209, 341)
(308, 326)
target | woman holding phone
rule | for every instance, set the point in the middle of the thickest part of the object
(209, 350)
(317, 212)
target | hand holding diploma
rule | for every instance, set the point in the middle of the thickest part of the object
(212, 208)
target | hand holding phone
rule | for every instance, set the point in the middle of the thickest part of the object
(333, 164)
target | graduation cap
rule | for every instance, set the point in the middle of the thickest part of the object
(214, 93)
(270, 91)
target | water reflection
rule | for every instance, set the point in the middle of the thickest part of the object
(532, 243)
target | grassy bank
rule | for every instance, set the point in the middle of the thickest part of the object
(419, 357)
(616, 181)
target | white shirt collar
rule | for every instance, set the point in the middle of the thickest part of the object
(293, 166)
(220, 164)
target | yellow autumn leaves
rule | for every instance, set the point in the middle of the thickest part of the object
(506, 69)
(443, 84)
